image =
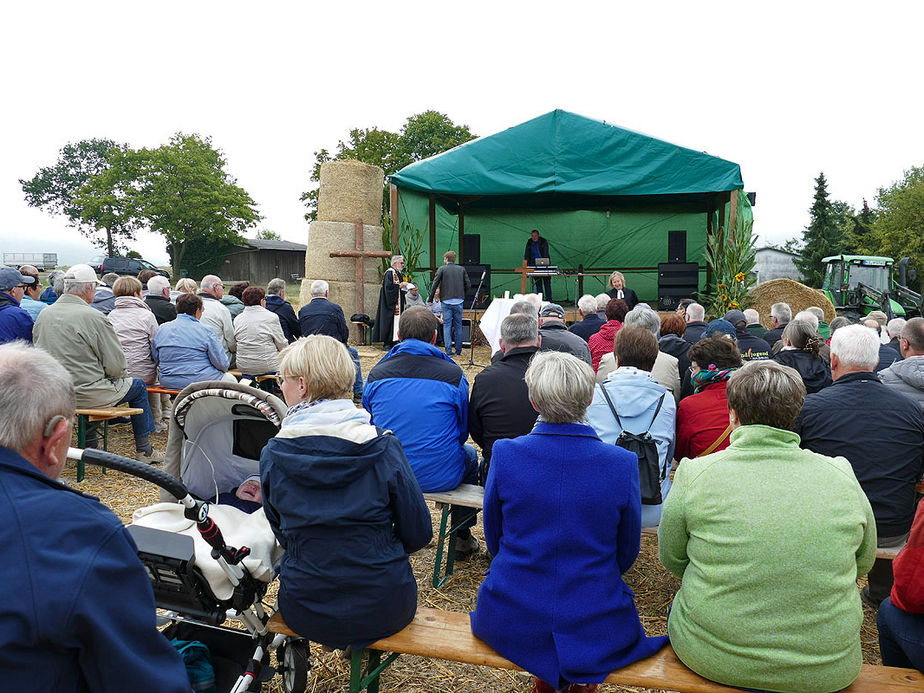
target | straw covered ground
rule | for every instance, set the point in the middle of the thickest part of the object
(653, 586)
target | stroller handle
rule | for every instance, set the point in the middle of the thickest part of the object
(130, 466)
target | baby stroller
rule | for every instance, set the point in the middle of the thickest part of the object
(199, 578)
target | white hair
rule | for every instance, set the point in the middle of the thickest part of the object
(895, 326)
(751, 315)
(856, 346)
(602, 300)
(646, 319)
(319, 287)
(809, 317)
(782, 312)
(209, 281)
(817, 312)
(34, 388)
(534, 299)
(157, 284)
(696, 312)
(587, 304)
(520, 329)
(275, 287)
(560, 385)
(395, 259)
(77, 288)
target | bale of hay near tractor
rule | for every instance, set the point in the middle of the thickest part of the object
(350, 190)
(797, 296)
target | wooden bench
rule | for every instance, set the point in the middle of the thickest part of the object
(158, 390)
(105, 414)
(448, 636)
(466, 496)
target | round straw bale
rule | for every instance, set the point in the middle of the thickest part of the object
(350, 190)
(327, 236)
(797, 296)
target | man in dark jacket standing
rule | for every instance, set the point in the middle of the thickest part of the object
(499, 407)
(78, 609)
(322, 316)
(537, 247)
(780, 315)
(453, 283)
(590, 322)
(907, 376)
(158, 299)
(276, 303)
(832, 421)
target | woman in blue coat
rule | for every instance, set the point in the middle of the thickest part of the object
(562, 517)
(342, 500)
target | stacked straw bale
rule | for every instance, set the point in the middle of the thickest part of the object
(798, 296)
(350, 190)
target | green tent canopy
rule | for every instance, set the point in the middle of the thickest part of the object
(605, 198)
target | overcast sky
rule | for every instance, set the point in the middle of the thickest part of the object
(784, 89)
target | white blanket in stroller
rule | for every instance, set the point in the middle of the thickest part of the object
(237, 527)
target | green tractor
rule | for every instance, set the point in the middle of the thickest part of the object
(860, 284)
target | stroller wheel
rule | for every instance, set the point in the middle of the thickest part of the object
(294, 665)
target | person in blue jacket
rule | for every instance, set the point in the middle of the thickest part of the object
(562, 518)
(185, 350)
(15, 322)
(77, 611)
(343, 502)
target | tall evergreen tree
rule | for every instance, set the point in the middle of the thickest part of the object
(820, 237)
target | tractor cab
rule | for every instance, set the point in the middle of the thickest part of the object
(859, 284)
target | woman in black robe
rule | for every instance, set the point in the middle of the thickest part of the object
(390, 297)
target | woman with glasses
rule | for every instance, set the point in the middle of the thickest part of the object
(343, 502)
(702, 418)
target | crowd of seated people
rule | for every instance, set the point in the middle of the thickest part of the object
(769, 430)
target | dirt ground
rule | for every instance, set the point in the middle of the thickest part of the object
(653, 586)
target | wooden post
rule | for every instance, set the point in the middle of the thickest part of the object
(580, 280)
(360, 254)
(522, 272)
(732, 212)
(433, 263)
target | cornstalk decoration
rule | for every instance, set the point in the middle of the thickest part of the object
(730, 256)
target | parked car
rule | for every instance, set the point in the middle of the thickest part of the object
(97, 263)
(129, 266)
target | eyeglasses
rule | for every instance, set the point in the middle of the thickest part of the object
(280, 379)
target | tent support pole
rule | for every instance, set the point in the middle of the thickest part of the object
(461, 230)
(393, 212)
(432, 224)
(733, 211)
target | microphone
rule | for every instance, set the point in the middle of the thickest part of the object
(483, 273)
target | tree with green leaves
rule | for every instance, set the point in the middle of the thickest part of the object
(898, 226)
(422, 136)
(182, 191)
(57, 190)
(861, 237)
(821, 237)
(267, 235)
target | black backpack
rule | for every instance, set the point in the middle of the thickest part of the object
(646, 449)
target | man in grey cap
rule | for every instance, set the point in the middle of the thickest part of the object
(752, 348)
(15, 323)
(554, 334)
(83, 341)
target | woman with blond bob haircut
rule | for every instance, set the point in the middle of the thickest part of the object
(563, 520)
(769, 540)
(618, 289)
(343, 502)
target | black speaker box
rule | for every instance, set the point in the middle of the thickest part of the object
(676, 246)
(676, 280)
(474, 276)
(471, 249)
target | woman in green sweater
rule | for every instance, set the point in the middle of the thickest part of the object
(769, 540)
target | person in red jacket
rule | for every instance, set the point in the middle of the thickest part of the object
(702, 418)
(901, 615)
(602, 342)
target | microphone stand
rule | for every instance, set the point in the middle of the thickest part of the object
(474, 309)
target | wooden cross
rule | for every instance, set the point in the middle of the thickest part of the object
(524, 272)
(360, 255)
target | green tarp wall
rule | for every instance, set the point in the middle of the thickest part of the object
(603, 196)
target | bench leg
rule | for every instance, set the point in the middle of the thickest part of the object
(82, 422)
(449, 546)
(369, 679)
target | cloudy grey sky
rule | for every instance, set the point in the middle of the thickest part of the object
(784, 89)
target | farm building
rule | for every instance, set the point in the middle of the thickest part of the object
(776, 263)
(259, 261)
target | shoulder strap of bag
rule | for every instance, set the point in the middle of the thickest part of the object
(657, 410)
(717, 442)
(606, 396)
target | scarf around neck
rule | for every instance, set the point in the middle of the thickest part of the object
(708, 376)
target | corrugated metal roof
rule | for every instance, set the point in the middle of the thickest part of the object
(261, 244)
